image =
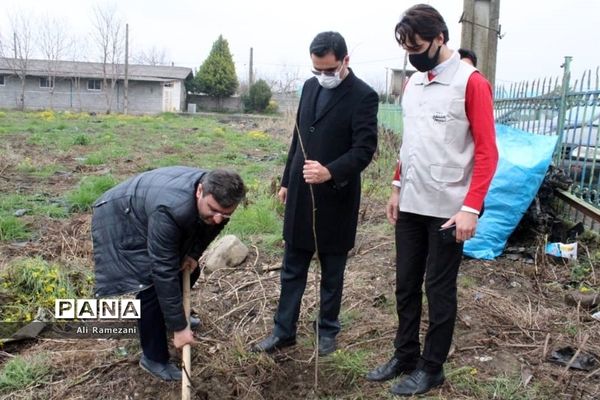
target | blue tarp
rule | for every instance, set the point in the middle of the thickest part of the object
(524, 160)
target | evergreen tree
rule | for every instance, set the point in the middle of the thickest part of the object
(216, 76)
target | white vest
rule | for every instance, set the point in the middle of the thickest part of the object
(437, 146)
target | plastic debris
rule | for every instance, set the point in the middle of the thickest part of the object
(563, 250)
(20, 212)
(583, 361)
(121, 351)
(29, 331)
(526, 375)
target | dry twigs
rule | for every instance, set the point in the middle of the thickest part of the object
(318, 269)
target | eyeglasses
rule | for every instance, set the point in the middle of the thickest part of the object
(215, 213)
(327, 71)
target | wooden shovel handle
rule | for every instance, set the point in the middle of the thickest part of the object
(187, 349)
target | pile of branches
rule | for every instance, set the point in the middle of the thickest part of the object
(541, 217)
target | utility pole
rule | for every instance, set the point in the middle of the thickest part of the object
(386, 85)
(403, 78)
(126, 81)
(564, 88)
(480, 33)
(250, 71)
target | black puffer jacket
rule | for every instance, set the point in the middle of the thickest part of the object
(142, 229)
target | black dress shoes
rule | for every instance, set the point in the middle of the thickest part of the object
(167, 371)
(194, 322)
(389, 370)
(272, 343)
(327, 345)
(418, 382)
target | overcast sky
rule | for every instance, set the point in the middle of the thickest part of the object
(538, 33)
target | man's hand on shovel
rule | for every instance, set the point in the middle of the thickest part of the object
(183, 337)
(189, 263)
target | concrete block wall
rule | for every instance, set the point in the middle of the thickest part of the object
(144, 97)
(208, 103)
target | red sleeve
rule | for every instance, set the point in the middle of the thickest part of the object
(397, 173)
(480, 113)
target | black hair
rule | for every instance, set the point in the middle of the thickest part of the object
(226, 186)
(329, 42)
(422, 20)
(470, 54)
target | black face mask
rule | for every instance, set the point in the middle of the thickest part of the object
(422, 62)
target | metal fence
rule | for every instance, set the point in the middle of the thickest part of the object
(569, 108)
(389, 117)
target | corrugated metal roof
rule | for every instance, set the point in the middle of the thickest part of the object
(79, 69)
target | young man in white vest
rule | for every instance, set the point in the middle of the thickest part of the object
(447, 160)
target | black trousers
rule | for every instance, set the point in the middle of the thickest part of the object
(421, 254)
(293, 282)
(151, 325)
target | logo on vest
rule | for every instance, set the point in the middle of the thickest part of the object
(439, 117)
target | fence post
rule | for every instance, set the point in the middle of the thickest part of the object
(562, 107)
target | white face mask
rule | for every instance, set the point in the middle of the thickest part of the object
(330, 82)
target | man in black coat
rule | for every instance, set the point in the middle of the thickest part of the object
(146, 230)
(334, 139)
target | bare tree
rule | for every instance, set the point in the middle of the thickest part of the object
(55, 45)
(16, 50)
(288, 81)
(80, 51)
(153, 56)
(108, 35)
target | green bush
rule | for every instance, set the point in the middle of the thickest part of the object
(97, 158)
(81, 139)
(12, 228)
(272, 107)
(258, 97)
(33, 282)
(20, 373)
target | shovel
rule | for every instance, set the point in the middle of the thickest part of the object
(187, 349)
